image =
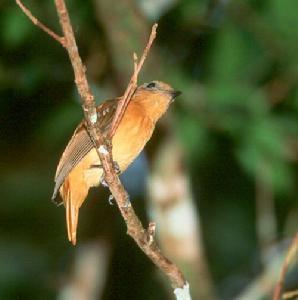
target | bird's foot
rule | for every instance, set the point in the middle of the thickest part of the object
(111, 198)
(96, 166)
(103, 181)
(126, 205)
(116, 167)
(127, 202)
(57, 202)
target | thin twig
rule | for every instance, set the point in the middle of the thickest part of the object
(135, 62)
(39, 24)
(290, 295)
(292, 251)
(132, 83)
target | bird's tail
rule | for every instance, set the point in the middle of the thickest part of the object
(72, 206)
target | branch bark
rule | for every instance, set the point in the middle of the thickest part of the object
(103, 145)
(292, 251)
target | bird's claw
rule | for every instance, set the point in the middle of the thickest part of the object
(127, 203)
(56, 202)
(111, 198)
(117, 167)
(95, 166)
(103, 181)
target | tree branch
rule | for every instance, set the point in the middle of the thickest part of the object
(132, 83)
(144, 238)
(292, 251)
(39, 24)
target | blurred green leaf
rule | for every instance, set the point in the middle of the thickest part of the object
(192, 11)
(59, 126)
(15, 27)
(264, 144)
(194, 138)
(21, 267)
(230, 106)
(283, 17)
(235, 56)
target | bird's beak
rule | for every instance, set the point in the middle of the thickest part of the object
(175, 94)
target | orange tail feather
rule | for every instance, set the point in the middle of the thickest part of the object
(72, 202)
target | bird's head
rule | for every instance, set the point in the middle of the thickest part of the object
(155, 97)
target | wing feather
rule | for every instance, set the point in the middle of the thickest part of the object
(80, 143)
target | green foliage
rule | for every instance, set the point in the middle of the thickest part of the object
(193, 137)
(283, 19)
(15, 28)
(263, 146)
(233, 55)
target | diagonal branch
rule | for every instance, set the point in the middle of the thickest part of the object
(39, 24)
(144, 238)
(134, 226)
(292, 251)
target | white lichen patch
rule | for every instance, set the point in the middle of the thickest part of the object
(93, 118)
(103, 150)
(183, 293)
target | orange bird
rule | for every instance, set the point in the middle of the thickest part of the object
(79, 167)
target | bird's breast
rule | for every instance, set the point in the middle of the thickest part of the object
(134, 130)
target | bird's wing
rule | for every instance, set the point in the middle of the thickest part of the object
(80, 143)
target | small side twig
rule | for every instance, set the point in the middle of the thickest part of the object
(132, 83)
(135, 62)
(290, 295)
(292, 251)
(39, 24)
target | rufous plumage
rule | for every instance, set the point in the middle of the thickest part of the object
(79, 167)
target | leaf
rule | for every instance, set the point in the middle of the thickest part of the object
(235, 56)
(264, 143)
(15, 27)
(193, 136)
(230, 106)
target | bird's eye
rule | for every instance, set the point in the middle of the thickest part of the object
(151, 85)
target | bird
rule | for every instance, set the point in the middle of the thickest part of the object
(80, 168)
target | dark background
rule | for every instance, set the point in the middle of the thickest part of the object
(236, 124)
